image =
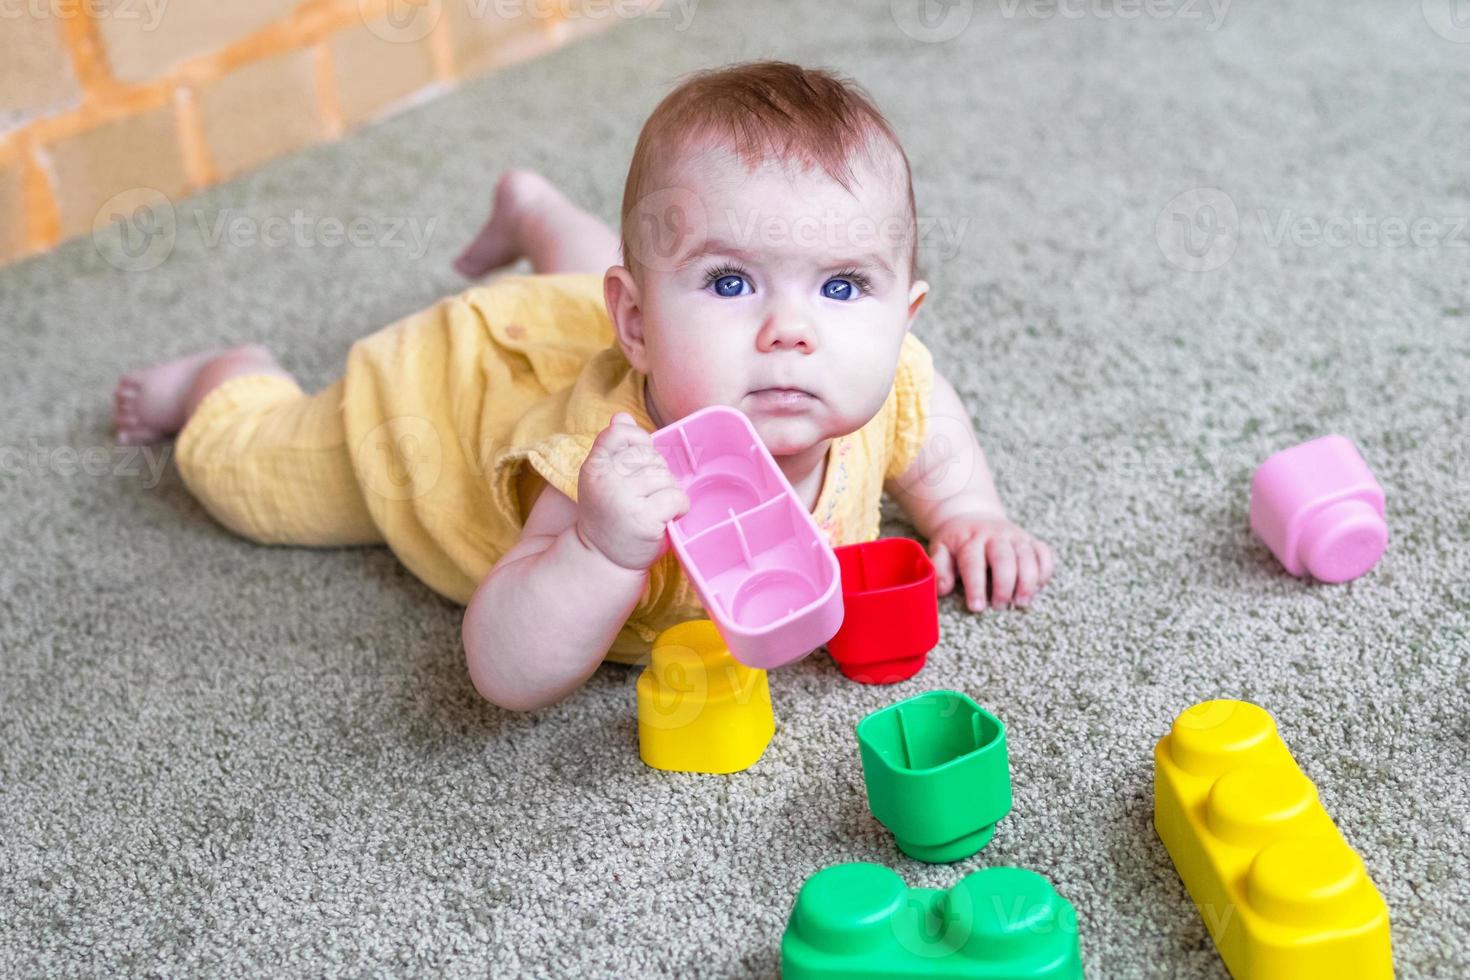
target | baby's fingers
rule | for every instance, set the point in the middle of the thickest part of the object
(624, 449)
(1028, 573)
(623, 430)
(972, 567)
(1047, 561)
(647, 481)
(943, 567)
(668, 503)
(1001, 553)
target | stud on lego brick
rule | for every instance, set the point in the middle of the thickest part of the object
(1281, 893)
(859, 920)
(1319, 510)
(937, 773)
(753, 554)
(890, 603)
(699, 709)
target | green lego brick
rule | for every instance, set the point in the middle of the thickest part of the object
(937, 772)
(861, 922)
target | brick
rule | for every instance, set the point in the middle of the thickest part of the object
(372, 71)
(12, 212)
(261, 111)
(1281, 892)
(136, 151)
(145, 38)
(35, 72)
(484, 38)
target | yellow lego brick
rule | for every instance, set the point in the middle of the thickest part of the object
(700, 709)
(1281, 893)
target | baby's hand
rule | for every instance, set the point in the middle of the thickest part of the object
(626, 496)
(1018, 563)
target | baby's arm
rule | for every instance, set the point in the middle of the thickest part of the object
(949, 494)
(541, 621)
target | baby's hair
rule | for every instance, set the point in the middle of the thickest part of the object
(765, 110)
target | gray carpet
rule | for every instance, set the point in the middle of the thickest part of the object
(222, 758)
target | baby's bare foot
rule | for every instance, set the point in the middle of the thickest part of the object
(151, 404)
(499, 242)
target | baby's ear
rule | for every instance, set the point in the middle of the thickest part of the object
(625, 307)
(918, 292)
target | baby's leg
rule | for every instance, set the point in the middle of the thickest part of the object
(266, 460)
(153, 403)
(532, 219)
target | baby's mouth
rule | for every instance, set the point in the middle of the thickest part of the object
(783, 400)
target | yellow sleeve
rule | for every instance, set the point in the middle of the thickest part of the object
(908, 409)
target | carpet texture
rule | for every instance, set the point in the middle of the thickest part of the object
(223, 758)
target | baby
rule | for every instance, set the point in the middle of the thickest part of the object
(499, 441)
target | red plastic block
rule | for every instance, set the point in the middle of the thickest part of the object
(891, 611)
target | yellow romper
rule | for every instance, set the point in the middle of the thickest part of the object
(423, 441)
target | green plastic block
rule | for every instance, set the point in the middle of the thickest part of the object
(938, 774)
(860, 920)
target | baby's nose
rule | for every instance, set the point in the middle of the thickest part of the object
(788, 330)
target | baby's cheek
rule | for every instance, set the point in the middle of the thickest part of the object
(862, 391)
(691, 385)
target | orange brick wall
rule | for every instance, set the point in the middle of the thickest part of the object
(99, 97)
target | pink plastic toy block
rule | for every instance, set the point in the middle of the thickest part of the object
(752, 552)
(1319, 510)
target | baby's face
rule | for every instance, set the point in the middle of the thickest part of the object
(788, 300)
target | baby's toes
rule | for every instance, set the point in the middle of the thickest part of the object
(138, 436)
(125, 400)
(130, 428)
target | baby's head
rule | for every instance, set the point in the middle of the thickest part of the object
(769, 242)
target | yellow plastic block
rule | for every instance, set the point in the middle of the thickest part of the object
(700, 709)
(1282, 894)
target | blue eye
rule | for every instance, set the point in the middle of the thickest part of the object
(730, 285)
(729, 280)
(840, 289)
